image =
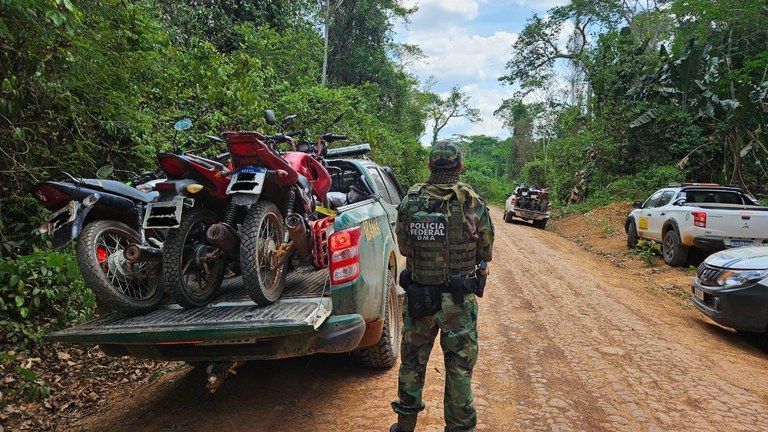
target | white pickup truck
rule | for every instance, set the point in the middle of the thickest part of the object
(702, 215)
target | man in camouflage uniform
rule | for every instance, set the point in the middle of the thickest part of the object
(469, 241)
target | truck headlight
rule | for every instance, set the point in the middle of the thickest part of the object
(740, 278)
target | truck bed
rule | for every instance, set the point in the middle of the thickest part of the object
(304, 305)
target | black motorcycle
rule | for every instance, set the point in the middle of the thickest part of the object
(105, 217)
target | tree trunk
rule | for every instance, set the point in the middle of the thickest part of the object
(736, 141)
(326, 34)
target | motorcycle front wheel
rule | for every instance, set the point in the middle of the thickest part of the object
(132, 289)
(262, 253)
(192, 268)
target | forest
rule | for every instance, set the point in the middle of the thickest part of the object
(613, 99)
(617, 98)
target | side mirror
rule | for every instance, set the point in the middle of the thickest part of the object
(269, 117)
(105, 172)
(637, 205)
(183, 124)
(288, 120)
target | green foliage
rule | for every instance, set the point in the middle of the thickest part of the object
(648, 251)
(675, 90)
(38, 292)
(535, 173)
(485, 166)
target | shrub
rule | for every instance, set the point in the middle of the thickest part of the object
(39, 292)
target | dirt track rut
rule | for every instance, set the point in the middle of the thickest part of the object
(568, 342)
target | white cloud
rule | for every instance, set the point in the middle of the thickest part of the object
(440, 10)
(540, 4)
(455, 54)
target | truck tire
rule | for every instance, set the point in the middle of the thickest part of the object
(383, 354)
(541, 223)
(262, 236)
(631, 235)
(131, 290)
(673, 251)
(189, 283)
(508, 217)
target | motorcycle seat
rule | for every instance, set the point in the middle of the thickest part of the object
(120, 188)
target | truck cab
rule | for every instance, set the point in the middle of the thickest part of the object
(352, 305)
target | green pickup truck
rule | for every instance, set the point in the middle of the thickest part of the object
(336, 310)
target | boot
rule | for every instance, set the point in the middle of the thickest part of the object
(396, 428)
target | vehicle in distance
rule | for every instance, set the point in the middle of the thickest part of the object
(731, 288)
(529, 204)
(701, 215)
(353, 304)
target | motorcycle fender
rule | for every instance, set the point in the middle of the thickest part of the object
(245, 199)
(67, 223)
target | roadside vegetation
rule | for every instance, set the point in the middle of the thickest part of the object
(618, 98)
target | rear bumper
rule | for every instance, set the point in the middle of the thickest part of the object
(717, 243)
(741, 309)
(338, 334)
(528, 214)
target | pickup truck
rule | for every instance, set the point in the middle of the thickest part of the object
(697, 215)
(529, 204)
(355, 304)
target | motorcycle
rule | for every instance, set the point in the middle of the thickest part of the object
(104, 216)
(191, 199)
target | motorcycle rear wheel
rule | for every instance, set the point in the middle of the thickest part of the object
(262, 250)
(191, 272)
(132, 289)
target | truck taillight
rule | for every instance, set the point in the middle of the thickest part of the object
(549, 207)
(513, 201)
(699, 219)
(344, 248)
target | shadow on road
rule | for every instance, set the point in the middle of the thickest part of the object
(260, 395)
(752, 343)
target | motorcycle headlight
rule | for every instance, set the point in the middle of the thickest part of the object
(740, 278)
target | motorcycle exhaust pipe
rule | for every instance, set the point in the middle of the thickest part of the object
(225, 238)
(137, 253)
(297, 230)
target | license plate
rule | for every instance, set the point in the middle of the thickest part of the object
(166, 214)
(63, 217)
(247, 180)
(741, 243)
(699, 293)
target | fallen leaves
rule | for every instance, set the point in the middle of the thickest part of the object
(80, 381)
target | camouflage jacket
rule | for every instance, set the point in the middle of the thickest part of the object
(477, 221)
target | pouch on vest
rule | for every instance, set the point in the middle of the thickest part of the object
(423, 300)
(428, 235)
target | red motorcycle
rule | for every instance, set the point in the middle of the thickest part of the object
(251, 216)
(272, 198)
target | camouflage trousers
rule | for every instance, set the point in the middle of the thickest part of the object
(458, 338)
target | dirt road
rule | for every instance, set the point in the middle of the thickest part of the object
(568, 342)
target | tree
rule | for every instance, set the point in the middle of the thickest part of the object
(442, 110)
(329, 7)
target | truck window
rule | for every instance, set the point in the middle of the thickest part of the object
(382, 189)
(712, 197)
(653, 201)
(666, 197)
(391, 188)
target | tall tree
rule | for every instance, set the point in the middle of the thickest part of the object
(441, 110)
(328, 8)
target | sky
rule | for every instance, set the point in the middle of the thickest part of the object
(467, 43)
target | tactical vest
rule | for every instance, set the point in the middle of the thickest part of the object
(439, 245)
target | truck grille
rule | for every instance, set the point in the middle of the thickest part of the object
(708, 275)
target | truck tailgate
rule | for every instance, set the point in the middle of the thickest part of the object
(304, 307)
(739, 222)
